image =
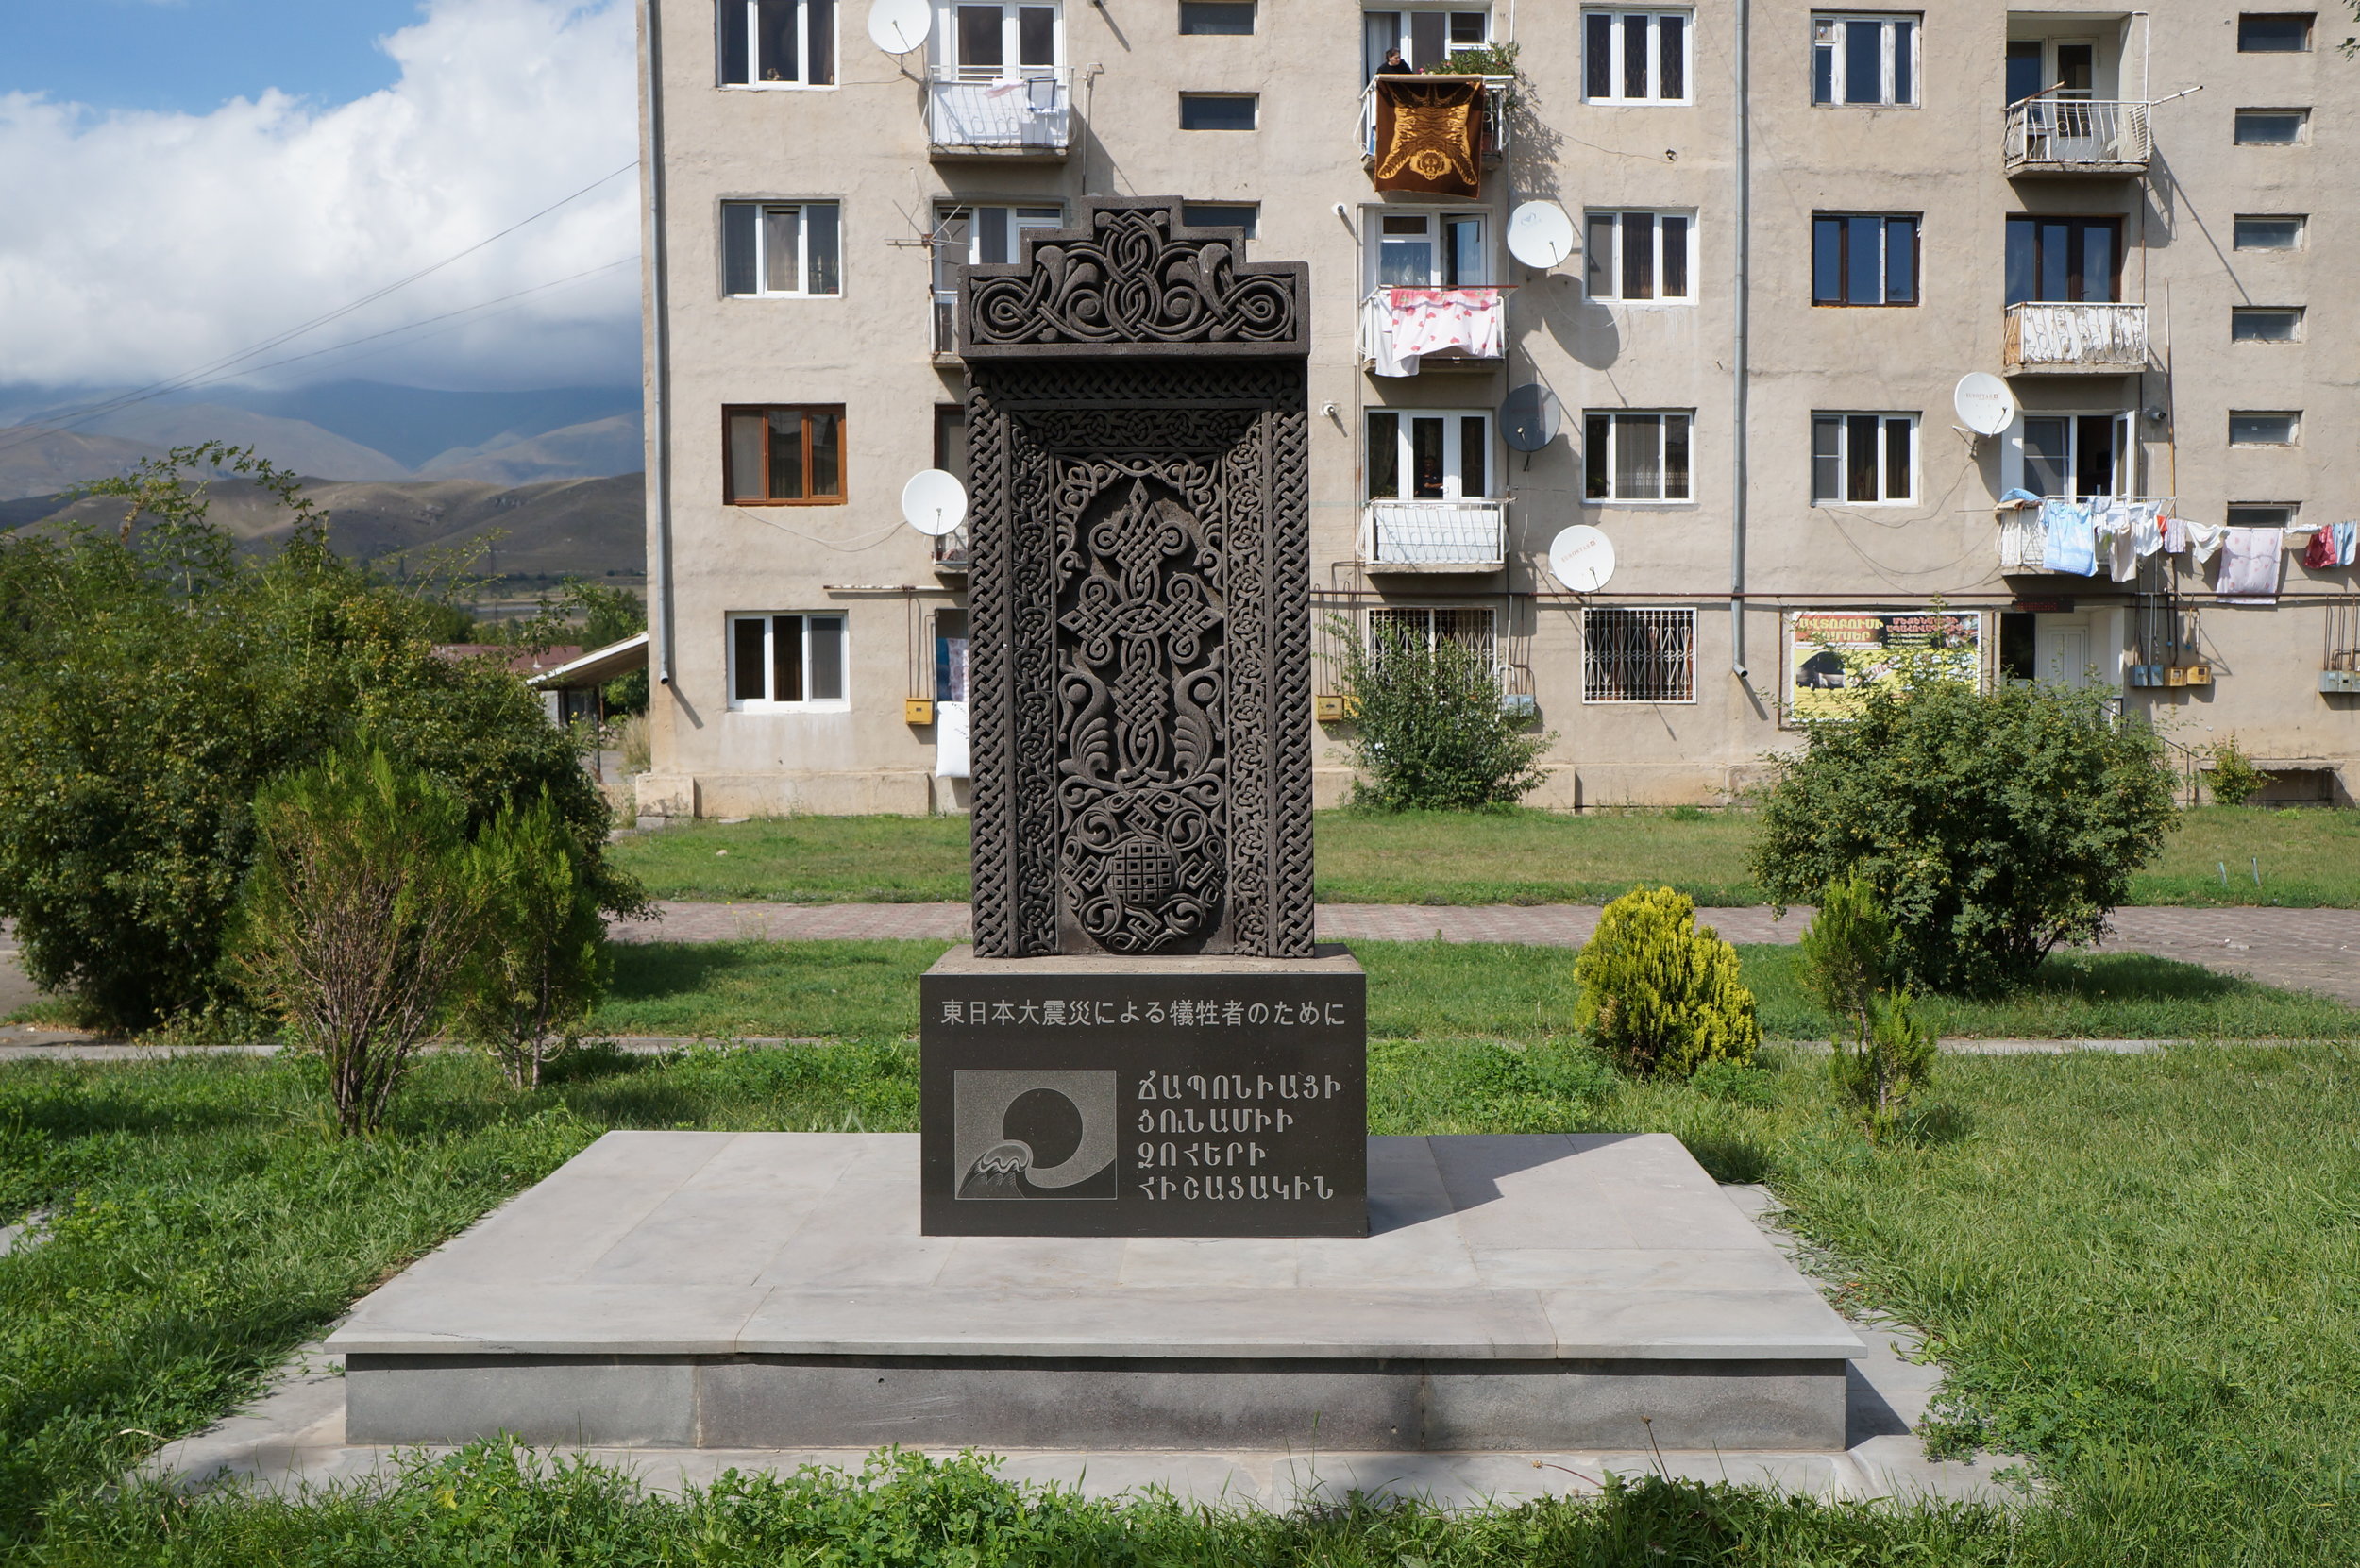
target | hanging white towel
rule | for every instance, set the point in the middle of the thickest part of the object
(2204, 540)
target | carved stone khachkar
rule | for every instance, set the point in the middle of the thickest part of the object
(1139, 593)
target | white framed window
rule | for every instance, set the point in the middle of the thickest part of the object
(1631, 455)
(1639, 655)
(1869, 59)
(2262, 513)
(1424, 35)
(978, 236)
(787, 249)
(1430, 454)
(1427, 250)
(1638, 256)
(2071, 454)
(2272, 127)
(777, 43)
(787, 662)
(2265, 324)
(1636, 57)
(1000, 40)
(2254, 428)
(1423, 626)
(2269, 230)
(1863, 459)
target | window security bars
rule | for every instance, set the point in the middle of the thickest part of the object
(1639, 655)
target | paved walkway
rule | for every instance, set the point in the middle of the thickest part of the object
(2312, 950)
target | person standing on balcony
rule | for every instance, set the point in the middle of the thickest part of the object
(1393, 65)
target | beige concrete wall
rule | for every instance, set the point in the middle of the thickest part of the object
(864, 143)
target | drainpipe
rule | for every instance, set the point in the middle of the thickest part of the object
(659, 334)
(1740, 369)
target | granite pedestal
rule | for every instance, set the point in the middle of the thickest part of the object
(774, 1291)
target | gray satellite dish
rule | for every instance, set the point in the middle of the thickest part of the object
(897, 26)
(1540, 234)
(933, 502)
(1529, 417)
(1985, 404)
(1582, 557)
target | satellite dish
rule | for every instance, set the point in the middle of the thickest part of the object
(897, 26)
(1984, 403)
(1540, 234)
(933, 502)
(1582, 557)
(1529, 417)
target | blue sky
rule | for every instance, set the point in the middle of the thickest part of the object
(192, 55)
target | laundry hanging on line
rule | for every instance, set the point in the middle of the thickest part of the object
(2249, 566)
(2068, 542)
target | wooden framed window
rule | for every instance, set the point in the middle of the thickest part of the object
(791, 456)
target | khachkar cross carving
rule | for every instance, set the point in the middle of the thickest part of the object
(1139, 593)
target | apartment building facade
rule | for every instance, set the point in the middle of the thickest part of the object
(1803, 224)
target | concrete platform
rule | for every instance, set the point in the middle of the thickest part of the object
(771, 1291)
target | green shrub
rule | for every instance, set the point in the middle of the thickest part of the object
(1659, 993)
(541, 961)
(151, 681)
(2232, 778)
(357, 919)
(1429, 731)
(1991, 825)
(1883, 1056)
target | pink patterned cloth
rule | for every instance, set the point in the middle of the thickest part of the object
(1429, 321)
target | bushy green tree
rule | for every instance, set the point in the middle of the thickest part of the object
(357, 916)
(152, 680)
(1991, 825)
(541, 960)
(2233, 777)
(1883, 1055)
(1659, 993)
(1428, 728)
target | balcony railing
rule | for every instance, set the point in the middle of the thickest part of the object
(2024, 537)
(1434, 537)
(951, 551)
(1027, 116)
(1403, 329)
(1494, 144)
(2103, 339)
(2067, 136)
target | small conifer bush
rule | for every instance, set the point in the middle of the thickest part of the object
(1660, 994)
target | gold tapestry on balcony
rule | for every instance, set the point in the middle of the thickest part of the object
(1429, 134)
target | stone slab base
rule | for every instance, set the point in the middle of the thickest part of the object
(774, 1291)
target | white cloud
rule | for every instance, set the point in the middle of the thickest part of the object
(139, 245)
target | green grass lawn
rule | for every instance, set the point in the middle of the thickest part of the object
(2138, 1270)
(2307, 858)
(1440, 990)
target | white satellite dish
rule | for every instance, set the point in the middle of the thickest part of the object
(1540, 234)
(1984, 403)
(1582, 557)
(933, 502)
(897, 26)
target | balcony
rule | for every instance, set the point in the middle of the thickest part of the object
(1403, 330)
(1493, 145)
(2077, 136)
(1025, 119)
(2024, 538)
(950, 553)
(2095, 340)
(1434, 537)
(945, 318)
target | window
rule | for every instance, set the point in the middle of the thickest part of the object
(1639, 655)
(779, 248)
(1863, 59)
(1440, 250)
(981, 236)
(1005, 42)
(1210, 17)
(2249, 428)
(1633, 256)
(786, 661)
(2063, 69)
(1635, 57)
(1425, 37)
(2274, 33)
(2063, 260)
(2076, 454)
(1423, 628)
(950, 440)
(2254, 231)
(1864, 259)
(1208, 215)
(784, 455)
(2272, 127)
(1635, 457)
(2265, 323)
(778, 43)
(1216, 110)
(1863, 459)
(1417, 455)
(2262, 514)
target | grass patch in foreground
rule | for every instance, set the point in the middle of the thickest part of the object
(1440, 990)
